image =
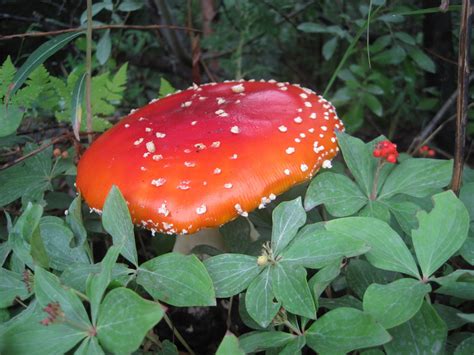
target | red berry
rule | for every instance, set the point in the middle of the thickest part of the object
(431, 153)
(391, 158)
(377, 153)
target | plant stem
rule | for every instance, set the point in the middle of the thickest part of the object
(373, 193)
(291, 327)
(89, 70)
(463, 89)
(177, 334)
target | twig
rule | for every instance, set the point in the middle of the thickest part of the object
(89, 70)
(435, 120)
(177, 334)
(464, 57)
(98, 28)
(36, 151)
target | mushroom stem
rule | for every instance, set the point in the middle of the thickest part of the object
(210, 236)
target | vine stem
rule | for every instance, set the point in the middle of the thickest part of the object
(89, 70)
(463, 90)
(178, 335)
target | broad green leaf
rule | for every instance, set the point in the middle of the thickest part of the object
(131, 5)
(387, 249)
(168, 348)
(449, 315)
(10, 119)
(373, 104)
(359, 160)
(441, 232)
(343, 330)
(38, 251)
(375, 209)
(74, 219)
(124, 319)
(466, 347)
(236, 235)
(425, 332)
(38, 57)
(395, 303)
(292, 290)
(229, 345)
(394, 55)
(417, 177)
(459, 283)
(288, 217)
(57, 239)
(467, 197)
(293, 346)
(318, 283)
(329, 48)
(76, 104)
(180, 280)
(405, 37)
(118, 223)
(24, 334)
(97, 284)
(315, 248)
(339, 194)
(231, 273)
(104, 47)
(467, 250)
(5, 250)
(260, 299)
(360, 275)
(344, 301)
(28, 221)
(76, 275)
(261, 340)
(89, 346)
(422, 60)
(405, 213)
(11, 286)
(48, 289)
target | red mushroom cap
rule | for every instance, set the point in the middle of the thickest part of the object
(201, 157)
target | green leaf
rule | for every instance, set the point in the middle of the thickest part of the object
(323, 278)
(104, 47)
(466, 347)
(261, 340)
(343, 330)
(236, 235)
(292, 290)
(417, 177)
(260, 299)
(28, 221)
(376, 209)
(449, 316)
(57, 239)
(97, 284)
(359, 160)
(24, 334)
(406, 38)
(294, 346)
(360, 275)
(315, 248)
(373, 104)
(467, 250)
(124, 319)
(48, 289)
(76, 104)
(344, 301)
(76, 275)
(459, 283)
(180, 280)
(405, 213)
(339, 194)
(38, 251)
(165, 88)
(38, 57)
(118, 223)
(11, 286)
(388, 251)
(10, 119)
(394, 56)
(288, 217)
(441, 232)
(329, 48)
(231, 273)
(229, 345)
(425, 332)
(395, 303)
(89, 346)
(467, 197)
(74, 220)
(131, 5)
(422, 60)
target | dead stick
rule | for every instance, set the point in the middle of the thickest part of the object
(463, 89)
(97, 28)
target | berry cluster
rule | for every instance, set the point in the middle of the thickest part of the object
(387, 151)
(54, 312)
(426, 151)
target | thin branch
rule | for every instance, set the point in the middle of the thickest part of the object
(464, 57)
(36, 151)
(89, 70)
(98, 28)
(435, 120)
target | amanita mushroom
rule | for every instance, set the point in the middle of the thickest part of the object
(203, 156)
